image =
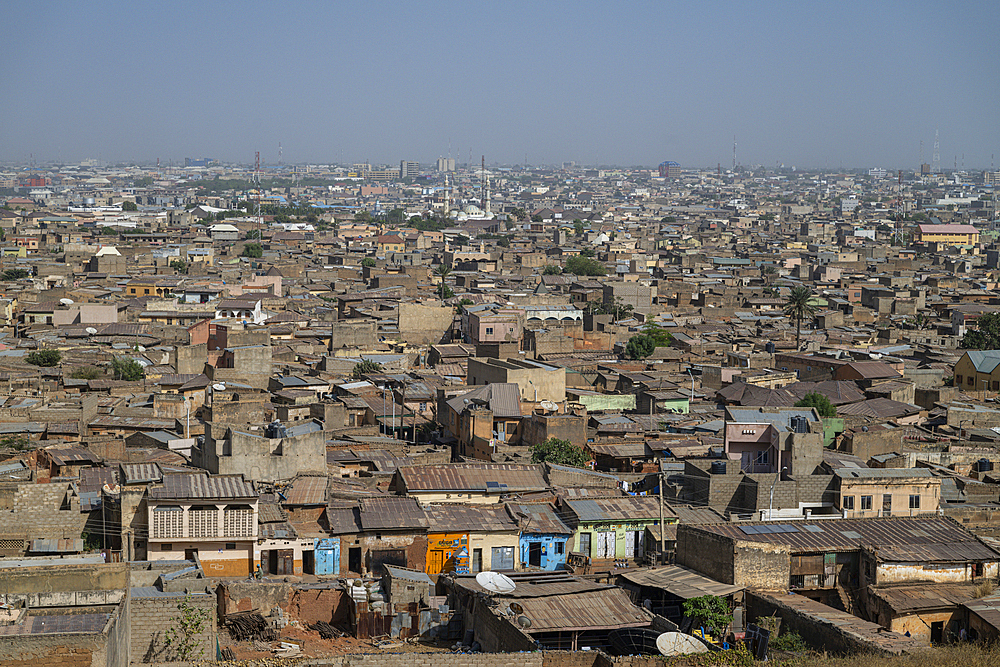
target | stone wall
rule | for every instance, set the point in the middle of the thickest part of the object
(151, 617)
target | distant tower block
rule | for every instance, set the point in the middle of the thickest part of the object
(669, 170)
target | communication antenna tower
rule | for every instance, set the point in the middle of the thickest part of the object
(256, 176)
(734, 153)
(900, 209)
(936, 168)
(482, 181)
(279, 153)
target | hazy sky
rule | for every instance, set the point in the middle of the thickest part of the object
(812, 84)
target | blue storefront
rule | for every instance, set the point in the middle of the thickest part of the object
(543, 538)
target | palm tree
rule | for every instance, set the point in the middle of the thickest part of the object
(443, 270)
(799, 306)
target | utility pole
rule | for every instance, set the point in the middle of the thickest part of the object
(663, 540)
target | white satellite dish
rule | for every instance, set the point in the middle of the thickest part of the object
(524, 621)
(140, 348)
(495, 582)
(678, 643)
(91, 330)
(219, 386)
(549, 405)
(66, 302)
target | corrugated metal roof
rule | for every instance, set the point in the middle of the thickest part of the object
(392, 513)
(924, 596)
(179, 486)
(306, 490)
(502, 398)
(462, 518)
(542, 519)
(831, 535)
(606, 609)
(624, 508)
(464, 477)
(680, 581)
(135, 473)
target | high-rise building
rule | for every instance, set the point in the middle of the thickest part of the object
(409, 169)
(669, 169)
(446, 164)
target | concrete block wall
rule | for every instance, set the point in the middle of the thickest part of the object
(151, 617)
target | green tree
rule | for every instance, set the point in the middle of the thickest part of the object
(446, 292)
(587, 252)
(85, 373)
(660, 336)
(669, 219)
(986, 335)
(768, 272)
(15, 274)
(519, 213)
(395, 217)
(551, 270)
(559, 452)
(466, 302)
(368, 261)
(639, 347)
(710, 612)
(799, 306)
(183, 633)
(126, 368)
(366, 367)
(253, 234)
(45, 358)
(823, 406)
(129, 206)
(504, 242)
(178, 266)
(442, 271)
(584, 266)
(18, 442)
(253, 250)
(578, 227)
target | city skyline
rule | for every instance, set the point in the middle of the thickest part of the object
(849, 86)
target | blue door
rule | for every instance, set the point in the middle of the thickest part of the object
(327, 556)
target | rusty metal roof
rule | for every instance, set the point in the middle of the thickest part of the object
(182, 486)
(392, 513)
(593, 610)
(831, 535)
(623, 508)
(541, 519)
(134, 473)
(306, 490)
(680, 581)
(924, 596)
(462, 518)
(343, 519)
(489, 477)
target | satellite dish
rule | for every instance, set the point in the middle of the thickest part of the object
(495, 582)
(524, 621)
(140, 348)
(91, 330)
(516, 608)
(549, 405)
(219, 386)
(66, 302)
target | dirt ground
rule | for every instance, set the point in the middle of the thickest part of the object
(315, 647)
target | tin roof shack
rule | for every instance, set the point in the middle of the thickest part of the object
(930, 613)
(822, 560)
(470, 538)
(73, 609)
(982, 618)
(561, 611)
(611, 529)
(211, 517)
(393, 532)
(42, 518)
(868, 492)
(918, 587)
(544, 537)
(667, 588)
(407, 587)
(467, 482)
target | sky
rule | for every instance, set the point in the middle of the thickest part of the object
(810, 84)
